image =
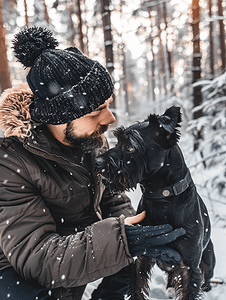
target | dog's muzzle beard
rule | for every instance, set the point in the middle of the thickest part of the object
(112, 174)
(119, 174)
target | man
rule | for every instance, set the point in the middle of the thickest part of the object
(60, 228)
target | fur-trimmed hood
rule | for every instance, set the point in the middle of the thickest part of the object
(15, 118)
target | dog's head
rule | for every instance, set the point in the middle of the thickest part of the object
(140, 151)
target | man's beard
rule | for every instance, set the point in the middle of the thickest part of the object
(87, 142)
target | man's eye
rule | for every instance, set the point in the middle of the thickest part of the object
(130, 148)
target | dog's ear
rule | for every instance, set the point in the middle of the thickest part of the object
(170, 119)
(165, 127)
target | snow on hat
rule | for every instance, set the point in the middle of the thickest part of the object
(66, 84)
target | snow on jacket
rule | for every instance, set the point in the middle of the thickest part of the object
(59, 225)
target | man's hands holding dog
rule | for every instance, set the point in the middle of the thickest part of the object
(151, 240)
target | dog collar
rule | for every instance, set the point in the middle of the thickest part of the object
(173, 190)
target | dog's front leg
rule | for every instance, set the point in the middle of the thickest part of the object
(186, 277)
(139, 288)
(186, 281)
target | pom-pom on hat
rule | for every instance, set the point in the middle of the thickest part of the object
(66, 84)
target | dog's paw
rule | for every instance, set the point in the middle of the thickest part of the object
(170, 293)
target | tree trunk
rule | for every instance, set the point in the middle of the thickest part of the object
(169, 59)
(211, 40)
(196, 55)
(108, 41)
(153, 57)
(148, 72)
(46, 11)
(26, 15)
(73, 33)
(125, 79)
(86, 37)
(5, 81)
(197, 95)
(162, 74)
(79, 15)
(222, 34)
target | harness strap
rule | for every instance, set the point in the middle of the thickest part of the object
(173, 190)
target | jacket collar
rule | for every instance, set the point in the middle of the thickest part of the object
(42, 143)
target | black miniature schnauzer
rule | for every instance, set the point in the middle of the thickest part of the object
(148, 153)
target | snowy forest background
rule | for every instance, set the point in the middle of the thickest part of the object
(159, 53)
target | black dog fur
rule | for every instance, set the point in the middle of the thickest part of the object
(148, 153)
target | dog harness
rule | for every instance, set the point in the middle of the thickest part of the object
(173, 190)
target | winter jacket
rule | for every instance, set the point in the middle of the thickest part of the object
(59, 225)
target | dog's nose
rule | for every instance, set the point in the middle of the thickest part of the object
(98, 161)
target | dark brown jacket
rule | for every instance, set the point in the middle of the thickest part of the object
(58, 223)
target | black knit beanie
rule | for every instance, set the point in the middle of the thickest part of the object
(66, 84)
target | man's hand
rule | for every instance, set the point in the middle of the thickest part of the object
(135, 219)
(151, 240)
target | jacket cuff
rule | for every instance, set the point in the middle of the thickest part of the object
(124, 237)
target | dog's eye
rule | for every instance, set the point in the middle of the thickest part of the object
(129, 148)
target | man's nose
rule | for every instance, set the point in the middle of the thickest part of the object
(107, 117)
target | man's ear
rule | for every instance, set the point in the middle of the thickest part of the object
(165, 127)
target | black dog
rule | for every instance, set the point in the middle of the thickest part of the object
(147, 153)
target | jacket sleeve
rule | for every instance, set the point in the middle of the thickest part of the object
(29, 240)
(116, 204)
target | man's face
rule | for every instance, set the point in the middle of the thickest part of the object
(87, 131)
